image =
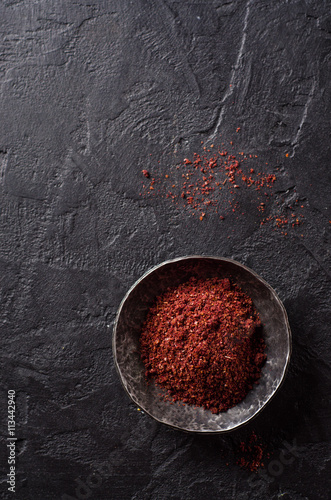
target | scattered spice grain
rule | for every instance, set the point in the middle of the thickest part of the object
(252, 453)
(196, 185)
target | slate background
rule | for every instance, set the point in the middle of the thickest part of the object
(89, 90)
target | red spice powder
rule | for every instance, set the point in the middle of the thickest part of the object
(202, 342)
(252, 453)
(212, 182)
(202, 178)
(146, 173)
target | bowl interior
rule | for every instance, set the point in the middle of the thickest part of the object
(132, 314)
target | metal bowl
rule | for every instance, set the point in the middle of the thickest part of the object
(132, 313)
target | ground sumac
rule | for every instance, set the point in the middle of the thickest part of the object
(202, 342)
(217, 182)
(252, 453)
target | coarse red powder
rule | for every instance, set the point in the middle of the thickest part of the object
(211, 182)
(202, 342)
(252, 453)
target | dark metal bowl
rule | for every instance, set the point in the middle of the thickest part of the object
(132, 313)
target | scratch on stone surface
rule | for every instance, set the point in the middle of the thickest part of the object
(320, 264)
(153, 482)
(234, 488)
(171, 458)
(3, 165)
(289, 191)
(183, 64)
(29, 369)
(13, 3)
(81, 163)
(53, 21)
(188, 72)
(296, 140)
(230, 90)
(7, 77)
(133, 234)
(88, 136)
(27, 197)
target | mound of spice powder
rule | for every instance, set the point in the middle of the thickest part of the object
(202, 342)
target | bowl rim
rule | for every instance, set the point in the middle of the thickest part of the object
(210, 257)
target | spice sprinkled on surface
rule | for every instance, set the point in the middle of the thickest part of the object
(252, 453)
(216, 181)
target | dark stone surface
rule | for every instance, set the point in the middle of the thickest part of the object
(89, 90)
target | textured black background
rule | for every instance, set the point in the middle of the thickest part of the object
(89, 90)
